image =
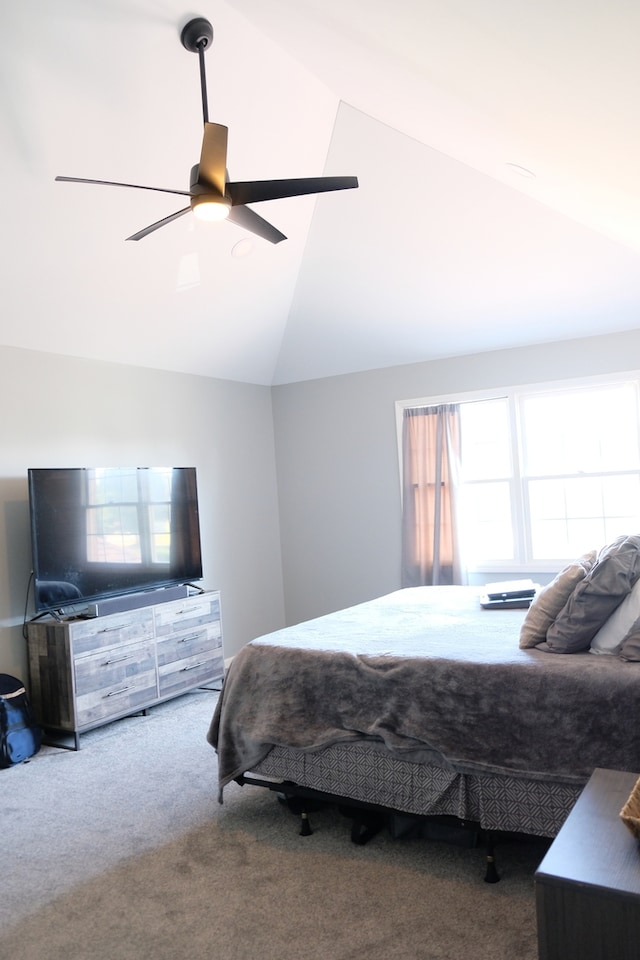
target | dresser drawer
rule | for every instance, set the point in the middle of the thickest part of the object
(199, 641)
(113, 667)
(88, 635)
(191, 672)
(129, 696)
(181, 615)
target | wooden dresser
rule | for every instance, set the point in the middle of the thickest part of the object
(87, 672)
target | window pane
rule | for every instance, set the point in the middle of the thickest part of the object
(487, 531)
(581, 431)
(110, 485)
(564, 539)
(584, 497)
(160, 527)
(547, 498)
(621, 496)
(486, 439)
(571, 516)
(159, 481)
(112, 535)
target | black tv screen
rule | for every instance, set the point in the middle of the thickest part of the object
(99, 532)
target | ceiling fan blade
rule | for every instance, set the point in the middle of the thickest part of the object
(159, 223)
(113, 183)
(244, 217)
(252, 191)
(213, 157)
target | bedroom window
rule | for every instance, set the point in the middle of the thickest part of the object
(581, 468)
(547, 472)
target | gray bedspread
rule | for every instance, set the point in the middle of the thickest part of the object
(434, 677)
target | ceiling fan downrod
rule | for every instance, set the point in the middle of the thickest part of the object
(196, 37)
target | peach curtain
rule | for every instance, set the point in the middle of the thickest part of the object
(430, 529)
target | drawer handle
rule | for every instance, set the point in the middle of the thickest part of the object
(121, 626)
(194, 666)
(116, 693)
(192, 636)
(108, 663)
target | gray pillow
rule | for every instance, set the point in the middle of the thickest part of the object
(596, 597)
(550, 600)
(630, 649)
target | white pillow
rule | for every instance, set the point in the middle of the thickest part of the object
(609, 637)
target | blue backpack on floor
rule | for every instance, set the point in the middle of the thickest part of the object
(20, 737)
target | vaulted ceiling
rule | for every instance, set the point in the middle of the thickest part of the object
(496, 144)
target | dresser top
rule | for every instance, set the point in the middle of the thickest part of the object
(594, 848)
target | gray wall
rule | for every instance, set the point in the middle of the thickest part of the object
(61, 411)
(336, 455)
(329, 532)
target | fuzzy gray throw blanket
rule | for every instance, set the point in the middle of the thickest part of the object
(434, 677)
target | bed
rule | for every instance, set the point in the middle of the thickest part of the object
(423, 703)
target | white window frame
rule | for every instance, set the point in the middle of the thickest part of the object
(519, 506)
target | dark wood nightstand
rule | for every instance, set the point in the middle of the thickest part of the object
(588, 885)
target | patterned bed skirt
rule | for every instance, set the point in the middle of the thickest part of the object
(366, 772)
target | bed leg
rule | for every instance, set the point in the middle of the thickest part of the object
(491, 876)
(305, 826)
(365, 826)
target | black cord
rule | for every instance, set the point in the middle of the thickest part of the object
(26, 604)
(193, 586)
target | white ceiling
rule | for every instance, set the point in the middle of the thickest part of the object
(444, 249)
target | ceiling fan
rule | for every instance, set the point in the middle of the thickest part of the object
(212, 196)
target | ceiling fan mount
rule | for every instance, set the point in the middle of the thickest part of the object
(195, 34)
(212, 196)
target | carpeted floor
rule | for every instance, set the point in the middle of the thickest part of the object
(122, 852)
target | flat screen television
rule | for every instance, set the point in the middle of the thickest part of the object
(102, 532)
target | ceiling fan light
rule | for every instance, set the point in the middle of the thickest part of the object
(210, 208)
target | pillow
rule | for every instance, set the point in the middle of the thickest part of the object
(630, 649)
(611, 578)
(613, 631)
(550, 600)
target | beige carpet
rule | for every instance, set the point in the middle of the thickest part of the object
(122, 851)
